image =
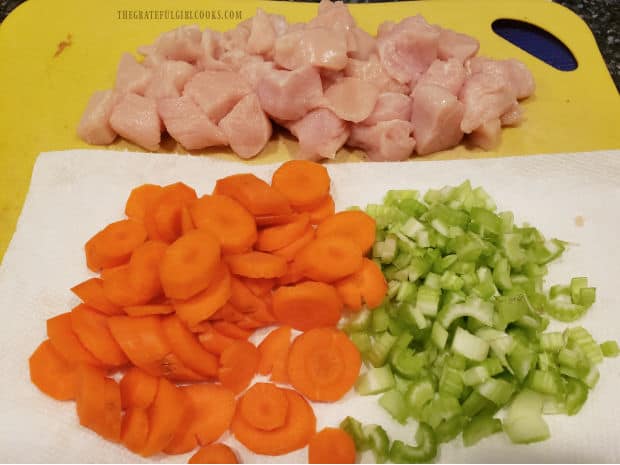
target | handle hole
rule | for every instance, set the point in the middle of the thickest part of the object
(536, 41)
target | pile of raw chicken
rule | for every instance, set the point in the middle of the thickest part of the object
(414, 88)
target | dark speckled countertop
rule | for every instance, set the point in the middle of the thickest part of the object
(603, 17)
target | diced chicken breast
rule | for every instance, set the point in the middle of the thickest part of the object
(513, 116)
(279, 23)
(188, 125)
(330, 77)
(182, 44)
(94, 127)
(132, 76)
(389, 106)
(262, 35)
(211, 49)
(371, 71)
(436, 116)
(321, 47)
(246, 127)
(448, 74)
(136, 119)
(320, 133)
(216, 92)
(488, 135)
(384, 141)
(336, 17)
(456, 45)
(408, 49)
(514, 71)
(253, 70)
(352, 99)
(385, 28)
(486, 96)
(237, 38)
(289, 95)
(169, 78)
(366, 44)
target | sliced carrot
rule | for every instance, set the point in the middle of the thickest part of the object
(367, 284)
(265, 313)
(165, 416)
(294, 273)
(323, 364)
(250, 323)
(172, 368)
(185, 345)
(259, 286)
(118, 289)
(209, 415)
(290, 251)
(274, 354)
(243, 299)
(91, 293)
(302, 182)
(274, 220)
(51, 373)
(353, 224)
(113, 245)
(331, 445)
(214, 341)
(90, 398)
(151, 309)
(276, 237)
(238, 364)
(189, 264)
(144, 269)
(254, 194)
(138, 388)
(296, 432)
(231, 330)
(187, 224)
(66, 343)
(307, 305)
(204, 304)
(228, 312)
(264, 406)
(227, 220)
(139, 200)
(91, 328)
(214, 453)
(329, 258)
(349, 291)
(165, 214)
(135, 429)
(112, 410)
(256, 265)
(321, 211)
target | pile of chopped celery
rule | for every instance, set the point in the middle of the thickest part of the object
(462, 333)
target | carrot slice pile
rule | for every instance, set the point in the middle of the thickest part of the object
(331, 445)
(183, 283)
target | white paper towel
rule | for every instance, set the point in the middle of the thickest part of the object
(74, 194)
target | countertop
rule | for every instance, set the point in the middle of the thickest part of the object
(602, 16)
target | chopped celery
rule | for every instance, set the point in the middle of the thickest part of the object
(551, 342)
(419, 393)
(610, 349)
(479, 428)
(356, 430)
(361, 341)
(380, 319)
(473, 307)
(394, 403)
(423, 452)
(449, 429)
(439, 335)
(496, 390)
(380, 348)
(375, 380)
(378, 442)
(576, 396)
(469, 346)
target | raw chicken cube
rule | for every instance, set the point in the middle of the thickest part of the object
(94, 127)
(169, 78)
(513, 116)
(436, 116)
(321, 47)
(408, 49)
(253, 70)
(389, 106)
(488, 135)
(132, 76)
(448, 74)
(365, 44)
(513, 71)
(352, 99)
(187, 123)
(371, 70)
(246, 127)
(135, 118)
(456, 45)
(384, 141)
(216, 92)
(182, 44)
(320, 133)
(237, 38)
(289, 95)
(262, 35)
(211, 49)
(279, 23)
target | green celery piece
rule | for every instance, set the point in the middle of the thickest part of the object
(424, 452)
(356, 430)
(475, 403)
(468, 247)
(558, 290)
(412, 207)
(475, 375)
(439, 335)
(489, 221)
(395, 196)
(587, 296)
(419, 393)
(406, 292)
(379, 320)
(451, 381)
(358, 321)
(510, 309)
(411, 227)
(551, 342)
(486, 286)
(431, 281)
(511, 245)
(389, 249)
(575, 359)
(526, 430)
(547, 361)
(361, 341)
(592, 377)
(576, 395)
(428, 300)
(380, 348)
(473, 307)
(576, 284)
(375, 381)
(401, 384)
(449, 215)
(546, 382)
(450, 281)
(444, 263)
(462, 267)
(393, 285)
(496, 390)
(385, 215)
(449, 429)
(507, 219)
(522, 360)
(469, 346)
(493, 366)
(378, 442)
(480, 427)
(418, 268)
(407, 363)
(610, 349)
(394, 403)
(583, 339)
(501, 274)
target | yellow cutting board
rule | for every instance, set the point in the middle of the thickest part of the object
(44, 87)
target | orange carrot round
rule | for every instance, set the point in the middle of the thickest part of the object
(144, 268)
(238, 364)
(151, 309)
(256, 265)
(112, 410)
(231, 330)
(354, 224)
(321, 211)
(302, 182)
(164, 216)
(135, 429)
(138, 388)
(189, 264)
(117, 287)
(139, 199)
(187, 224)
(214, 453)
(212, 340)
(274, 220)
(331, 445)
(290, 251)
(98, 402)
(113, 245)
(242, 298)
(91, 293)
(274, 354)
(227, 220)
(259, 286)
(227, 312)
(367, 284)
(66, 343)
(276, 237)
(51, 373)
(296, 432)
(264, 406)
(329, 258)
(307, 305)
(323, 364)
(254, 194)
(349, 291)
